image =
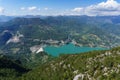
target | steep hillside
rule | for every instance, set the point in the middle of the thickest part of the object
(96, 65)
(10, 69)
(32, 60)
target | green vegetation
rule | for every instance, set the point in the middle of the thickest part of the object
(31, 60)
(21, 38)
(86, 31)
(101, 65)
(10, 69)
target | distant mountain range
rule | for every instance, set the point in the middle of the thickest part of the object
(85, 30)
(19, 34)
(4, 18)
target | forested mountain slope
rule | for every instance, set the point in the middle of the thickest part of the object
(84, 30)
(22, 38)
(100, 65)
(10, 69)
(95, 65)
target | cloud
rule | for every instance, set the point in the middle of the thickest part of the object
(22, 8)
(2, 10)
(106, 8)
(33, 8)
(46, 8)
(77, 9)
(110, 7)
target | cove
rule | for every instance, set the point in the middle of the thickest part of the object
(68, 49)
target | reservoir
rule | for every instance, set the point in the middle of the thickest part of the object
(68, 49)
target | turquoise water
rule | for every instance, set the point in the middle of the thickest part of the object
(68, 49)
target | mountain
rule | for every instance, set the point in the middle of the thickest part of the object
(31, 60)
(5, 36)
(84, 30)
(10, 69)
(22, 40)
(100, 65)
(95, 65)
(22, 37)
(4, 18)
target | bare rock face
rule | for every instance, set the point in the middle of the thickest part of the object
(15, 38)
(36, 49)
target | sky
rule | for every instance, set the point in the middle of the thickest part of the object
(60, 7)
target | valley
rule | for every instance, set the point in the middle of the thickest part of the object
(61, 47)
(59, 39)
